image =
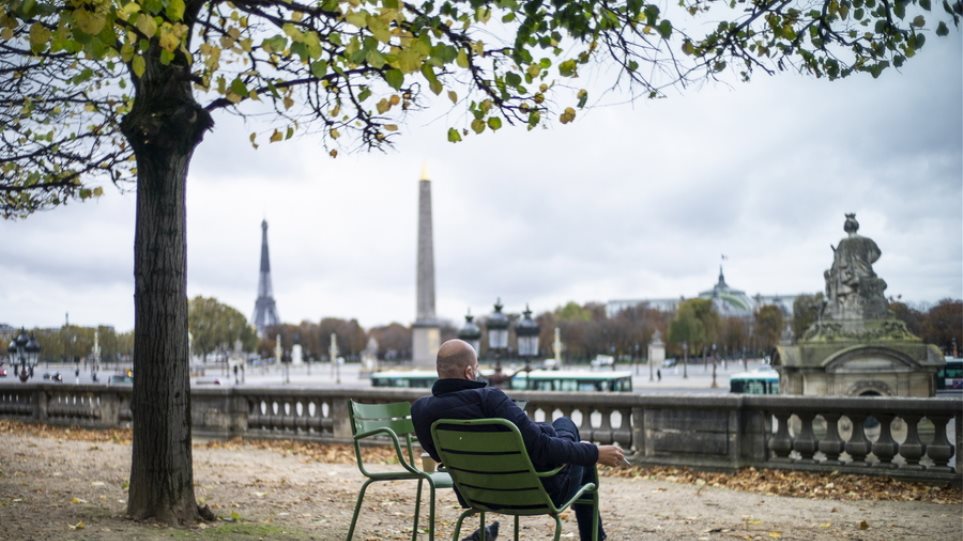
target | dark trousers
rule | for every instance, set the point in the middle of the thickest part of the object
(565, 484)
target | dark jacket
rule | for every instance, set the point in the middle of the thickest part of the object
(464, 399)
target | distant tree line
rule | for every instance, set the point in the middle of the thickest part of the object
(74, 343)
(585, 330)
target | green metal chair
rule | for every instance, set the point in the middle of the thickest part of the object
(393, 421)
(492, 471)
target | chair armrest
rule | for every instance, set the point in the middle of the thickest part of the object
(551, 472)
(394, 441)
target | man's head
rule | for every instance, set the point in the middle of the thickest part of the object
(457, 360)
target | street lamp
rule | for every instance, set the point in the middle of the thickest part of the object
(714, 363)
(526, 330)
(685, 360)
(497, 327)
(470, 332)
(24, 351)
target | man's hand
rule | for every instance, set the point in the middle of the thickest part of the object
(611, 455)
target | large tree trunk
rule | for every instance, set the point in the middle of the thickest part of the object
(164, 127)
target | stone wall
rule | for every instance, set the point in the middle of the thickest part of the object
(913, 438)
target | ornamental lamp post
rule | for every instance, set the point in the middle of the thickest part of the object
(497, 327)
(685, 360)
(714, 363)
(470, 332)
(25, 351)
(527, 330)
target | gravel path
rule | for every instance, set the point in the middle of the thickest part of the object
(58, 488)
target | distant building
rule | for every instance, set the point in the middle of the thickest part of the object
(728, 301)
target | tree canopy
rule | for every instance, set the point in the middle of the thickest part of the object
(217, 326)
(72, 70)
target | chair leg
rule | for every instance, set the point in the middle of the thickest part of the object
(414, 528)
(558, 527)
(481, 527)
(357, 508)
(431, 511)
(595, 515)
(461, 518)
(516, 527)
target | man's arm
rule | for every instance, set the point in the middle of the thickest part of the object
(546, 451)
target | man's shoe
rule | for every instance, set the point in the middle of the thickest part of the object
(491, 532)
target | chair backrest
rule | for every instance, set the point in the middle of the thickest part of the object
(490, 467)
(395, 416)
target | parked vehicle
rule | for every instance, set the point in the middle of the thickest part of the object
(120, 379)
(951, 375)
(562, 380)
(602, 361)
(761, 382)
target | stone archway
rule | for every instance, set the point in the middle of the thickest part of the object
(870, 388)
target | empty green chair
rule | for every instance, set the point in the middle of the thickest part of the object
(393, 421)
(492, 471)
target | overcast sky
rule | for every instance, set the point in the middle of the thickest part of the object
(631, 201)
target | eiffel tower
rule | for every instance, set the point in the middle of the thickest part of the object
(265, 309)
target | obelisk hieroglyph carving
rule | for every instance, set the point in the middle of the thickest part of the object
(426, 333)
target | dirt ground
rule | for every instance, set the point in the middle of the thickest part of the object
(57, 484)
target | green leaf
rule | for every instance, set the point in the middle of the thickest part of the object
(494, 123)
(567, 68)
(175, 10)
(478, 125)
(665, 29)
(319, 69)
(238, 87)
(394, 78)
(453, 136)
(925, 4)
(919, 21)
(462, 59)
(146, 24)
(138, 65)
(941, 29)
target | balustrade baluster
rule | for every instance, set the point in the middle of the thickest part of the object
(912, 449)
(253, 414)
(858, 446)
(780, 443)
(832, 444)
(623, 434)
(941, 449)
(805, 441)
(885, 447)
(604, 432)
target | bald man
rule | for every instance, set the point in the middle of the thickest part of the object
(457, 395)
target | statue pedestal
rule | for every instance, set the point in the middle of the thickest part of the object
(858, 358)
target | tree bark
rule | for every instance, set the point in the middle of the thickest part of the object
(164, 127)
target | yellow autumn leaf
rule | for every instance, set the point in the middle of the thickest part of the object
(146, 24)
(276, 136)
(775, 535)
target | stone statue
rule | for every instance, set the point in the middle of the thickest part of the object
(853, 291)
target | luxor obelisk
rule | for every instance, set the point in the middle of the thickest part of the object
(426, 333)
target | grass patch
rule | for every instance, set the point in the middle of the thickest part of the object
(244, 531)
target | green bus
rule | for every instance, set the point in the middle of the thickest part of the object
(950, 376)
(762, 382)
(536, 380)
(408, 379)
(572, 380)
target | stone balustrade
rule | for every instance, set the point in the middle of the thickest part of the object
(913, 438)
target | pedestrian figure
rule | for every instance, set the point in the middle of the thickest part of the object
(658, 374)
